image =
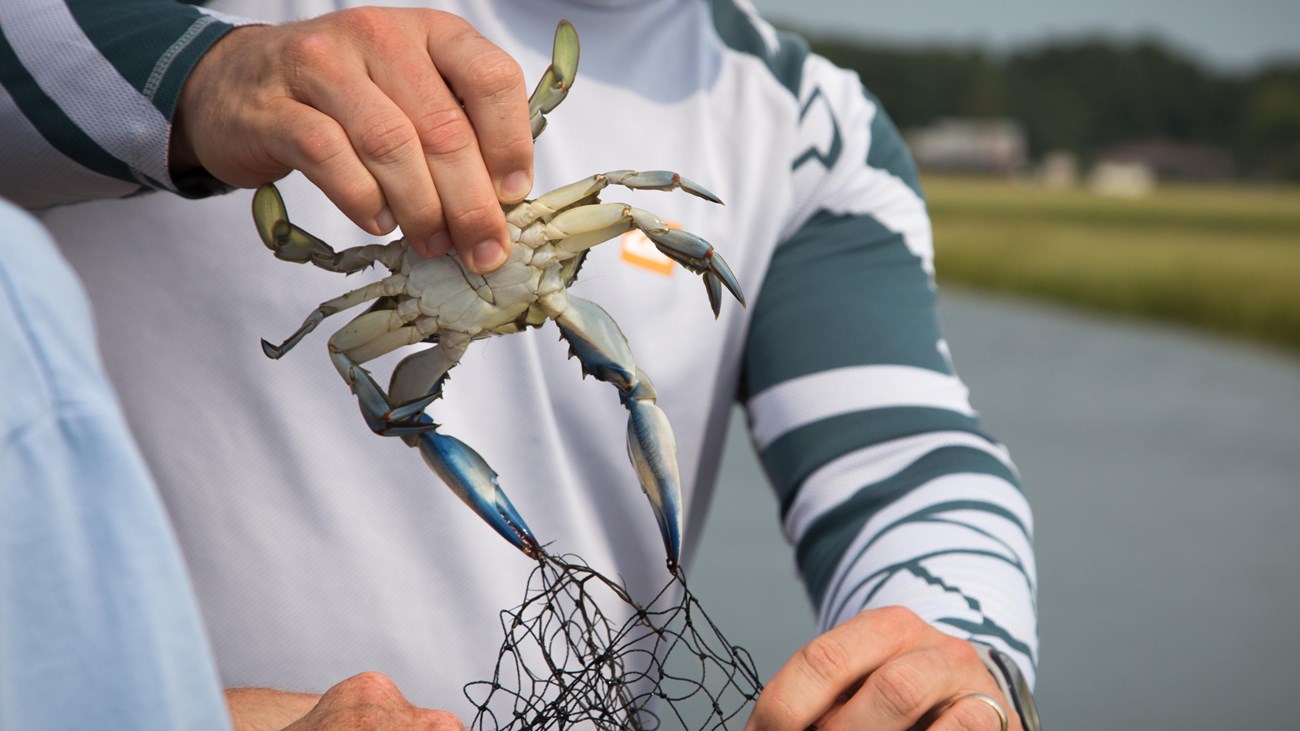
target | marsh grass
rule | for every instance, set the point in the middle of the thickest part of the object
(1221, 258)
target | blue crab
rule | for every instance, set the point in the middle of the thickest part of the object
(441, 301)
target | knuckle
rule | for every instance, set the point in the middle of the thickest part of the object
(901, 688)
(505, 157)
(370, 688)
(897, 620)
(445, 131)
(367, 21)
(474, 217)
(302, 49)
(510, 151)
(422, 220)
(318, 144)
(356, 196)
(959, 652)
(448, 22)
(384, 137)
(495, 73)
(825, 658)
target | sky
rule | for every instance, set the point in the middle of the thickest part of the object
(1223, 35)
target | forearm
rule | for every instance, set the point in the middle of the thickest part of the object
(889, 489)
(88, 93)
(262, 709)
(955, 549)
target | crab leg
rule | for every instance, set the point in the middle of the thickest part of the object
(381, 331)
(599, 345)
(291, 243)
(563, 197)
(386, 287)
(383, 419)
(460, 467)
(555, 82)
(578, 229)
(475, 483)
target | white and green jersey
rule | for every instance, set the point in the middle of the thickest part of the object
(319, 550)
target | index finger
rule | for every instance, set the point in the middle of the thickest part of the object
(813, 681)
(491, 85)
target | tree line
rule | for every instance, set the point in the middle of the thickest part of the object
(1085, 95)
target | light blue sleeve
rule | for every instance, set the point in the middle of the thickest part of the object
(99, 627)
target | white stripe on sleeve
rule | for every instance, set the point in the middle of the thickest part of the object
(948, 488)
(92, 93)
(807, 399)
(43, 176)
(968, 554)
(842, 478)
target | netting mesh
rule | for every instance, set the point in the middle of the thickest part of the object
(580, 651)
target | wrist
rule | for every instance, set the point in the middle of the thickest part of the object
(197, 125)
(263, 709)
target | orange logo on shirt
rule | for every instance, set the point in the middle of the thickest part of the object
(638, 250)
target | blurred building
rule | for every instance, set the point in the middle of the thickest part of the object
(1059, 169)
(1170, 160)
(1121, 179)
(989, 146)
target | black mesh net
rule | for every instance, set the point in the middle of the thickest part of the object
(581, 652)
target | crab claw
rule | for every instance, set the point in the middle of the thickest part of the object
(285, 240)
(459, 466)
(554, 84)
(695, 254)
(474, 482)
(595, 339)
(653, 451)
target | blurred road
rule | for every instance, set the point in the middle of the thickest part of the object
(1164, 469)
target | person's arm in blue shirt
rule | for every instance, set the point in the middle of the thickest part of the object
(99, 627)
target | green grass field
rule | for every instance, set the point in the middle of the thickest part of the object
(1222, 258)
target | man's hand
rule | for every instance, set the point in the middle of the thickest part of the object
(401, 116)
(365, 702)
(885, 670)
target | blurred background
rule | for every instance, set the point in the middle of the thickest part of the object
(1115, 188)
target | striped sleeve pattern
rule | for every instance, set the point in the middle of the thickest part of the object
(88, 89)
(889, 489)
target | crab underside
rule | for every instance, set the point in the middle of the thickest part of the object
(441, 301)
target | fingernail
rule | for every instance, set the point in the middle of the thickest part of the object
(516, 185)
(489, 255)
(385, 221)
(439, 244)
